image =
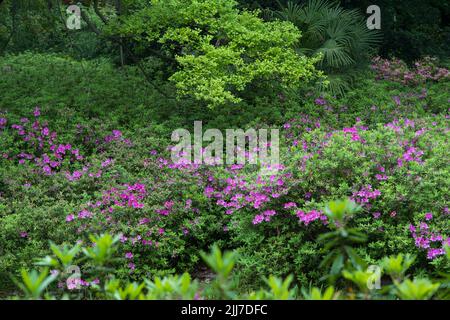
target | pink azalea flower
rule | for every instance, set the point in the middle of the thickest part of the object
(290, 205)
(129, 255)
(258, 219)
(37, 112)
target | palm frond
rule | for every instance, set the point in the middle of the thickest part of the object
(335, 55)
(340, 35)
(337, 85)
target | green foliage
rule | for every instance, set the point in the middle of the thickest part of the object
(412, 29)
(343, 167)
(338, 243)
(79, 91)
(396, 266)
(222, 265)
(278, 290)
(315, 293)
(173, 287)
(64, 256)
(35, 283)
(26, 25)
(219, 50)
(103, 248)
(338, 211)
(360, 277)
(417, 289)
(338, 34)
(132, 291)
(218, 55)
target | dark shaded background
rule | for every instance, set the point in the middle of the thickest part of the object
(411, 28)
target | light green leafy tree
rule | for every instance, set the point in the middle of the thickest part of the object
(215, 51)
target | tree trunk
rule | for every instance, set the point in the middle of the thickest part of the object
(118, 4)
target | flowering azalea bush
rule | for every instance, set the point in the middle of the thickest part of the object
(396, 70)
(102, 252)
(384, 147)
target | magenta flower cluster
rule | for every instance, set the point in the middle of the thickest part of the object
(397, 71)
(313, 215)
(240, 190)
(365, 195)
(3, 122)
(113, 199)
(234, 190)
(41, 147)
(354, 132)
(78, 283)
(425, 239)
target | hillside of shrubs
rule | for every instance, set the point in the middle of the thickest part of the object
(93, 205)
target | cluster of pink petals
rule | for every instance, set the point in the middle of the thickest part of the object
(366, 194)
(77, 283)
(397, 71)
(265, 216)
(354, 132)
(308, 217)
(127, 196)
(167, 208)
(425, 239)
(412, 154)
(3, 122)
(239, 191)
(47, 153)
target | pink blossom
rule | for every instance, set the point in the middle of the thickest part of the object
(83, 214)
(290, 205)
(129, 255)
(397, 100)
(258, 219)
(433, 253)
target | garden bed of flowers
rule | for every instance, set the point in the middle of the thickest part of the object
(384, 147)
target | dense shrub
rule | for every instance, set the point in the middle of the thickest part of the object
(97, 281)
(339, 34)
(213, 51)
(396, 70)
(66, 173)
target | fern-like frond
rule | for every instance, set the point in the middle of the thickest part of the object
(335, 55)
(340, 35)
